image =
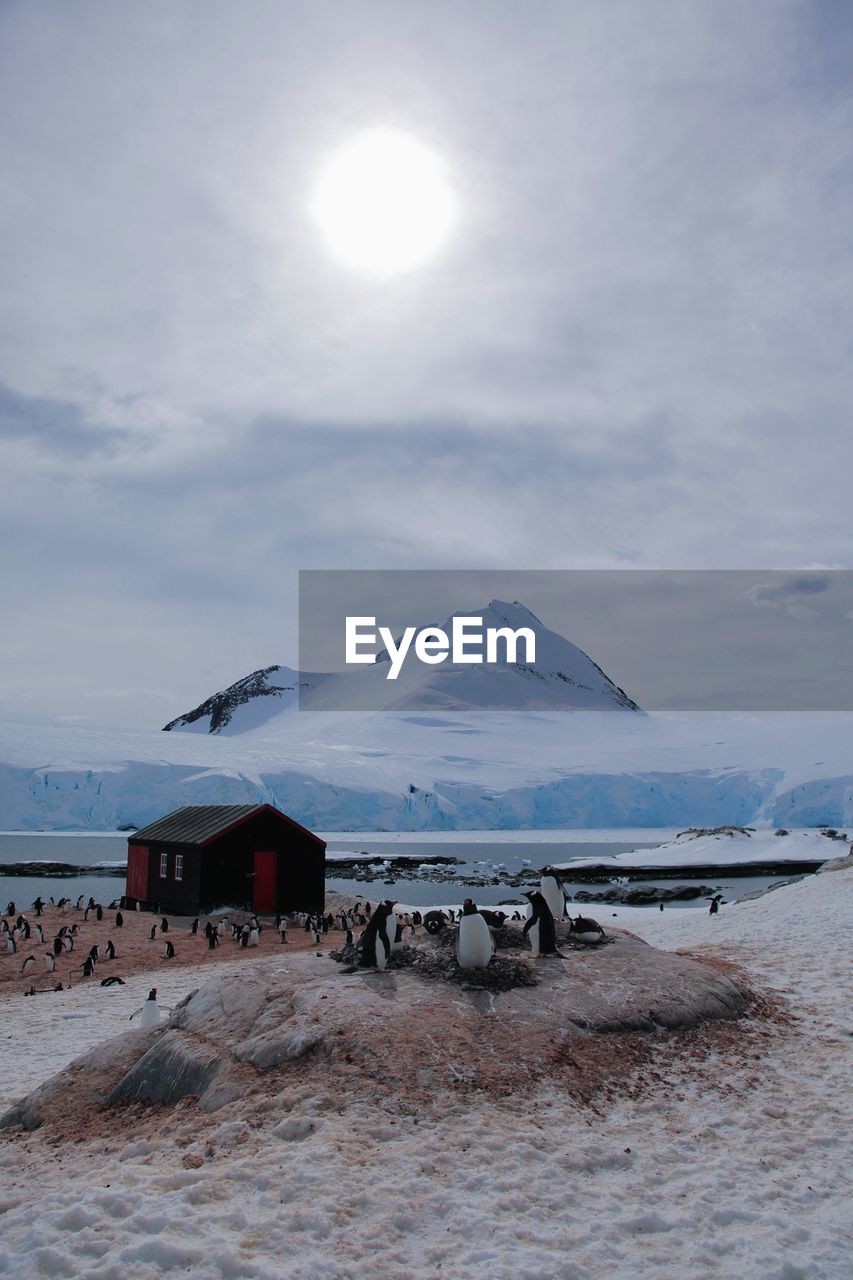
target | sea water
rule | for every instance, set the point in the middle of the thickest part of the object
(490, 856)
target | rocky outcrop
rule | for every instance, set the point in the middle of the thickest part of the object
(348, 1030)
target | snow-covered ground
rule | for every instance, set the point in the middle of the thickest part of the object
(737, 1164)
(734, 848)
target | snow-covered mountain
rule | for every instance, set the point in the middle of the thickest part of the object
(422, 764)
(563, 677)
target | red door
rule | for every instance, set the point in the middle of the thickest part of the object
(137, 871)
(264, 883)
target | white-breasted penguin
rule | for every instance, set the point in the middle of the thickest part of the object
(474, 944)
(149, 1014)
(540, 927)
(583, 929)
(375, 942)
(551, 888)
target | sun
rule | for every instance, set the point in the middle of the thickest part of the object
(384, 203)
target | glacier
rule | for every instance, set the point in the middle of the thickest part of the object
(475, 771)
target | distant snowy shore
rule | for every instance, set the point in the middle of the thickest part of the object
(730, 849)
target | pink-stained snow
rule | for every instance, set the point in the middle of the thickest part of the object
(732, 1162)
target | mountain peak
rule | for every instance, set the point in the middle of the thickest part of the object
(562, 677)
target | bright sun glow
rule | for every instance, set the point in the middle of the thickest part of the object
(384, 203)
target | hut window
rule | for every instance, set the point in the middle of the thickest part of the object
(164, 865)
(179, 866)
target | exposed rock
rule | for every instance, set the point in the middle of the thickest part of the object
(173, 1068)
(302, 1017)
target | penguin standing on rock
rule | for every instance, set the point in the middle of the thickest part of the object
(474, 944)
(375, 941)
(551, 888)
(540, 927)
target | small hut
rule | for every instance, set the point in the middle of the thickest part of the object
(249, 856)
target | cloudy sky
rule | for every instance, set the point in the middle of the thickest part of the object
(634, 351)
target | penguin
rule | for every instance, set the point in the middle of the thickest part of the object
(583, 929)
(153, 934)
(138, 905)
(540, 926)
(149, 1014)
(57, 945)
(494, 919)
(349, 941)
(474, 943)
(39, 934)
(80, 903)
(28, 964)
(67, 941)
(212, 940)
(375, 942)
(254, 937)
(194, 926)
(113, 981)
(119, 920)
(551, 888)
(170, 949)
(315, 936)
(164, 925)
(88, 967)
(10, 909)
(110, 949)
(49, 961)
(282, 931)
(94, 954)
(99, 912)
(434, 922)
(38, 906)
(11, 944)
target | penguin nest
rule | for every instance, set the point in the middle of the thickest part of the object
(439, 964)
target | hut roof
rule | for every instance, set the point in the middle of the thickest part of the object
(200, 824)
